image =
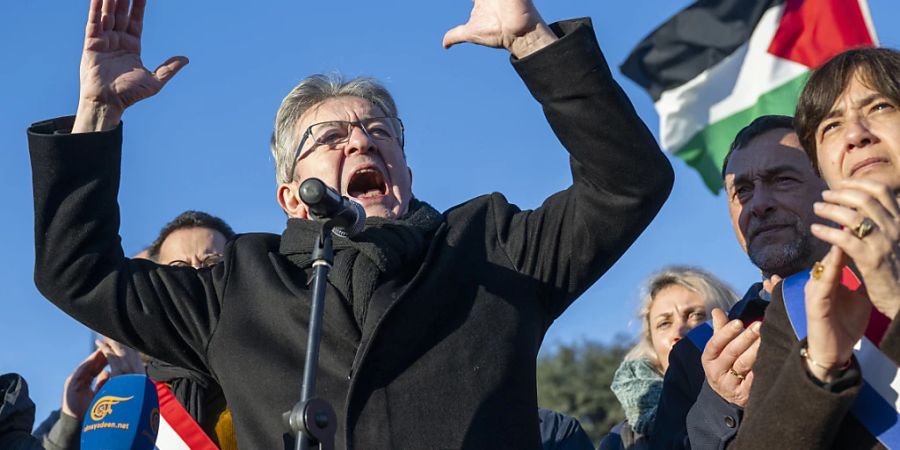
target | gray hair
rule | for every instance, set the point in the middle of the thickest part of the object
(714, 292)
(309, 92)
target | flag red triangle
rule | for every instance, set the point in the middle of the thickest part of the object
(813, 31)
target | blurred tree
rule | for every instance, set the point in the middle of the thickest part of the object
(574, 380)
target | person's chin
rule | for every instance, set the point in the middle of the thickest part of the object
(385, 208)
(884, 174)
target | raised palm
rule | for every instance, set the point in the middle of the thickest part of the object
(112, 73)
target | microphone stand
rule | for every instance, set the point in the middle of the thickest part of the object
(312, 420)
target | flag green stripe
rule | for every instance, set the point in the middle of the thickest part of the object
(706, 149)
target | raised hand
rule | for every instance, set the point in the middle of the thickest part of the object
(729, 356)
(836, 318)
(122, 359)
(113, 77)
(514, 25)
(77, 392)
(877, 253)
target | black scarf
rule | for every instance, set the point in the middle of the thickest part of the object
(190, 387)
(383, 247)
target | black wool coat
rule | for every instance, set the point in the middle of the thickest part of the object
(446, 358)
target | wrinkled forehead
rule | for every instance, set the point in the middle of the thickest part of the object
(185, 241)
(338, 108)
(773, 152)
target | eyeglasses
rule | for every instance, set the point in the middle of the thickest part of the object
(207, 261)
(333, 133)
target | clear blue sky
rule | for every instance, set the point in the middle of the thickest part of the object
(472, 128)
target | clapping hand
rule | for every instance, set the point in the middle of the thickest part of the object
(729, 356)
(836, 317)
(870, 235)
(113, 77)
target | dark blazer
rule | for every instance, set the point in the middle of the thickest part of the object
(690, 414)
(787, 408)
(447, 355)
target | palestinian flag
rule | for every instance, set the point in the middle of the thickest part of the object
(718, 64)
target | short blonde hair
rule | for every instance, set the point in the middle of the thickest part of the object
(714, 292)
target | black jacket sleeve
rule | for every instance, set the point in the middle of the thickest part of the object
(167, 312)
(620, 178)
(681, 386)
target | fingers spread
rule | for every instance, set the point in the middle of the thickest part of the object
(94, 25)
(168, 69)
(136, 19)
(107, 15)
(121, 15)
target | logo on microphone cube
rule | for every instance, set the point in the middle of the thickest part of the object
(123, 415)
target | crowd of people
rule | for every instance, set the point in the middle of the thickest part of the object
(433, 320)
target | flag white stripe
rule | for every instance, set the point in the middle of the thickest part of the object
(167, 438)
(867, 16)
(733, 85)
(879, 371)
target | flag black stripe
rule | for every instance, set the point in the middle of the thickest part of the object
(692, 41)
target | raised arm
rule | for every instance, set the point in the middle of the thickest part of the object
(168, 313)
(113, 77)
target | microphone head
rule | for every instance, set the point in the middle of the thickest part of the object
(312, 191)
(123, 415)
(357, 225)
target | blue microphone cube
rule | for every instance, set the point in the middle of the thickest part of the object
(123, 415)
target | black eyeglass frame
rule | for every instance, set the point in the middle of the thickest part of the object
(358, 123)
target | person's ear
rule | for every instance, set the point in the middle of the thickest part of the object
(289, 200)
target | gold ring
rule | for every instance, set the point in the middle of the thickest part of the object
(865, 227)
(734, 372)
(817, 270)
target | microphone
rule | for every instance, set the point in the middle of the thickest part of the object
(325, 204)
(123, 415)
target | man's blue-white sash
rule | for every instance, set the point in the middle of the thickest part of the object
(878, 402)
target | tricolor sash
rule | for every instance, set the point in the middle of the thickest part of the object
(878, 402)
(177, 429)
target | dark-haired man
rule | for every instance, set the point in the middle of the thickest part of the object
(193, 239)
(770, 187)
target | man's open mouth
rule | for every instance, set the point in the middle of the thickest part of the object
(365, 183)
